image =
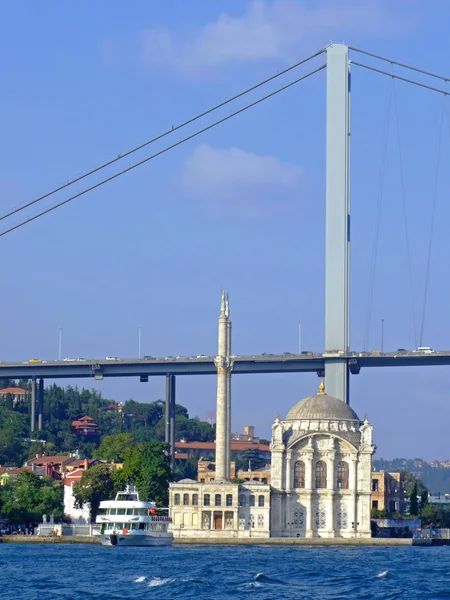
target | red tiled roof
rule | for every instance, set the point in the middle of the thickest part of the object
(85, 419)
(13, 390)
(12, 470)
(70, 478)
(235, 445)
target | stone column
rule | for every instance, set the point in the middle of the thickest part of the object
(228, 404)
(309, 493)
(331, 493)
(222, 384)
(288, 472)
(353, 485)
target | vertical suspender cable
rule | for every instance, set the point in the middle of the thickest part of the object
(405, 220)
(377, 220)
(433, 214)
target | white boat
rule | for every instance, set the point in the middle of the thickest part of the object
(128, 521)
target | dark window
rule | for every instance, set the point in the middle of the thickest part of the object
(374, 485)
(321, 474)
(176, 499)
(260, 500)
(392, 506)
(229, 500)
(342, 475)
(218, 500)
(375, 504)
(299, 474)
(242, 500)
(185, 499)
(264, 479)
(206, 500)
(194, 499)
(251, 500)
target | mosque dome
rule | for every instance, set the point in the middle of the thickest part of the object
(323, 407)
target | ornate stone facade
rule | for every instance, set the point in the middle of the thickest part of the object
(321, 471)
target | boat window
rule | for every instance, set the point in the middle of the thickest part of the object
(143, 512)
(176, 499)
(194, 499)
(113, 511)
(141, 525)
(120, 511)
(129, 511)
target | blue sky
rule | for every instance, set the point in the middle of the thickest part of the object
(241, 207)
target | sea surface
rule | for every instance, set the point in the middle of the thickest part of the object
(79, 572)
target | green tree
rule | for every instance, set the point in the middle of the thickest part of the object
(147, 466)
(413, 503)
(96, 484)
(251, 457)
(26, 497)
(115, 447)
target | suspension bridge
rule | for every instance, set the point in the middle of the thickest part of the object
(338, 361)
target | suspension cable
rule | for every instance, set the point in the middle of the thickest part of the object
(418, 83)
(163, 151)
(433, 212)
(378, 218)
(162, 135)
(405, 219)
(399, 64)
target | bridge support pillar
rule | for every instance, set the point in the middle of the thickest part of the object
(337, 330)
(33, 404)
(41, 404)
(170, 417)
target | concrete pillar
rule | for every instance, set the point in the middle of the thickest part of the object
(337, 331)
(167, 429)
(221, 362)
(41, 404)
(172, 420)
(33, 403)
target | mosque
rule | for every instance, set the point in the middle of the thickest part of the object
(320, 471)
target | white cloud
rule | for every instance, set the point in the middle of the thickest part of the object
(233, 181)
(273, 29)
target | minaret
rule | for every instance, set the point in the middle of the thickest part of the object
(229, 369)
(222, 384)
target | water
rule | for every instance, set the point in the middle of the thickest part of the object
(84, 572)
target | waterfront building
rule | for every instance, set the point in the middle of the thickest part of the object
(388, 492)
(320, 475)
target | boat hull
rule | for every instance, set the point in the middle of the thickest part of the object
(128, 539)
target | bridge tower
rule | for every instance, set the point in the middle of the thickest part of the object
(337, 326)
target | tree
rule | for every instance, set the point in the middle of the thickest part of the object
(26, 497)
(251, 457)
(115, 447)
(147, 466)
(96, 484)
(413, 503)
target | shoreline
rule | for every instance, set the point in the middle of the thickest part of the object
(370, 542)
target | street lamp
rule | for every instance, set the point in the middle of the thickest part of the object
(299, 337)
(60, 344)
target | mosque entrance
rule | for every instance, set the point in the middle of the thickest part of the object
(217, 520)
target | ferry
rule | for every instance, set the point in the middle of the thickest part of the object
(128, 521)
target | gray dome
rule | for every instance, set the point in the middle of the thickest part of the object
(321, 406)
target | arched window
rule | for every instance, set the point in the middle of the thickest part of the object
(185, 499)
(260, 500)
(342, 475)
(299, 474)
(321, 474)
(229, 500)
(206, 500)
(194, 499)
(251, 500)
(176, 499)
(218, 500)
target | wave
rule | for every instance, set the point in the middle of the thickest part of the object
(383, 574)
(157, 581)
(261, 577)
(139, 579)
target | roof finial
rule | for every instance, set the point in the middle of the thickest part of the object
(321, 391)
(222, 307)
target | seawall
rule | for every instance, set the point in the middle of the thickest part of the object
(34, 539)
(182, 541)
